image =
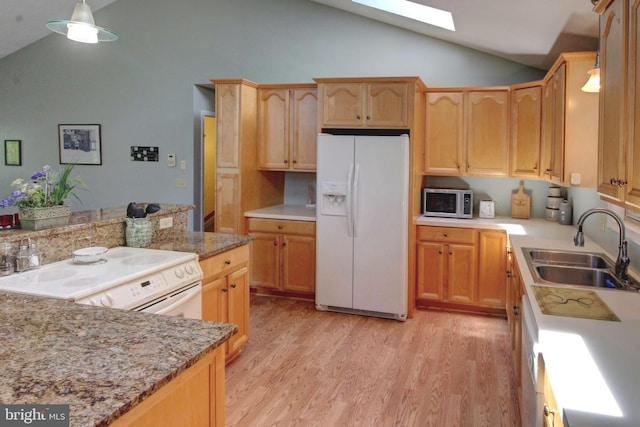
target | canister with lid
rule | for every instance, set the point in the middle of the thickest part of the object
(565, 213)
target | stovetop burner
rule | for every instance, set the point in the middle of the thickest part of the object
(122, 266)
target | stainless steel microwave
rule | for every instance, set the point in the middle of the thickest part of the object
(446, 202)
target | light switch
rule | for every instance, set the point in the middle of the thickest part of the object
(171, 160)
(183, 164)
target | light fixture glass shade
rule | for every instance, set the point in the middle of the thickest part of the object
(593, 84)
(81, 27)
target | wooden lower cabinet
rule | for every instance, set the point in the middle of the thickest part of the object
(462, 268)
(284, 256)
(195, 398)
(225, 294)
(551, 415)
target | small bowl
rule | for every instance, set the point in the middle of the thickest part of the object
(89, 255)
(554, 202)
(552, 214)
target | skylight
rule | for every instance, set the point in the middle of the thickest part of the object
(429, 15)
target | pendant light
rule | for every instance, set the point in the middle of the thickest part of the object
(593, 83)
(81, 27)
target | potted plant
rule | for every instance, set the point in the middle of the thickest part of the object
(40, 200)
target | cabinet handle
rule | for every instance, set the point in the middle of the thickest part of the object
(224, 289)
(286, 161)
(358, 117)
(275, 243)
(439, 252)
(445, 234)
(368, 118)
(621, 183)
(612, 181)
(450, 252)
(279, 227)
(548, 411)
(284, 244)
(549, 170)
(516, 312)
(233, 285)
(294, 162)
(508, 274)
(457, 166)
(535, 167)
(228, 262)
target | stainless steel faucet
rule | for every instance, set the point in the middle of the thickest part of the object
(623, 260)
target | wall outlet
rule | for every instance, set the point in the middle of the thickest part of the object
(181, 183)
(166, 222)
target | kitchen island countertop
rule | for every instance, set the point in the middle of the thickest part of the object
(204, 244)
(102, 362)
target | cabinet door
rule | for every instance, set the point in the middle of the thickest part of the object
(214, 300)
(492, 268)
(228, 129)
(304, 113)
(612, 132)
(228, 203)
(430, 279)
(461, 273)
(342, 104)
(553, 113)
(632, 196)
(526, 118)
(299, 263)
(387, 105)
(487, 150)
(265, 261)
(273, 129)
(238, 298)
(444, 133)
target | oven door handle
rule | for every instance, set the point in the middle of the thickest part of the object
(174, 300)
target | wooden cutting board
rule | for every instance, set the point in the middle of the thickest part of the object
(571, 302)
(520, 204)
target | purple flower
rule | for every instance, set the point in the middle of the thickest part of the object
(38, 175)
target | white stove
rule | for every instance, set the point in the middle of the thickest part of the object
(126, 278)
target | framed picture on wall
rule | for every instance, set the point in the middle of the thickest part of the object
(13, 152)
(80, 144)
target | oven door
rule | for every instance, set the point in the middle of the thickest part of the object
(186, 302)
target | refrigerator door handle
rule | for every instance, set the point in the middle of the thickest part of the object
(348, 201)
(356, 182)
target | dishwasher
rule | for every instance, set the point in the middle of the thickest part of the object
(531, 413)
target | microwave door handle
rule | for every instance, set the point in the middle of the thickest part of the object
(348, 201)
(356, 196)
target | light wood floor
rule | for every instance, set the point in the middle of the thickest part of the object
(303, 367)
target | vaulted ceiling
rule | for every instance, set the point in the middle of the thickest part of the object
(525, 31)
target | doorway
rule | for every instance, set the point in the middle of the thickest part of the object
(209, 173)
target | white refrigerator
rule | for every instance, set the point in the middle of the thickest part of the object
(362, 224)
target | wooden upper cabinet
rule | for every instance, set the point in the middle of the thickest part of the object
(444, 133)
(387, 105)
(632, 188)
(526, 128)
(487, 149)
(304, 134)
(228, 129)
(613, 89)
(287, 127)
(570, 122)
(467, 132)
(369, 103)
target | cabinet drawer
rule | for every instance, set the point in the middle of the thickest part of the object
(282, 226)
(447, 234)
(225, 262)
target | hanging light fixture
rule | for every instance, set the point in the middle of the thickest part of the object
(81, 27)
(593, 83)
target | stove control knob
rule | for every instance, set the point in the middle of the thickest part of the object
(179, 272)
(106, 300)
(189, 269)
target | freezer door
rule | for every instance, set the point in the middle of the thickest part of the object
(380, 210)
(334, 241)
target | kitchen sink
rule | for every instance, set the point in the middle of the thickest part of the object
(577, 259)
(575, 269)
(579, 276)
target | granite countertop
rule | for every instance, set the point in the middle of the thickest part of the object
(102, 362)
(202, 243)
(285, 212)
(592, 364)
